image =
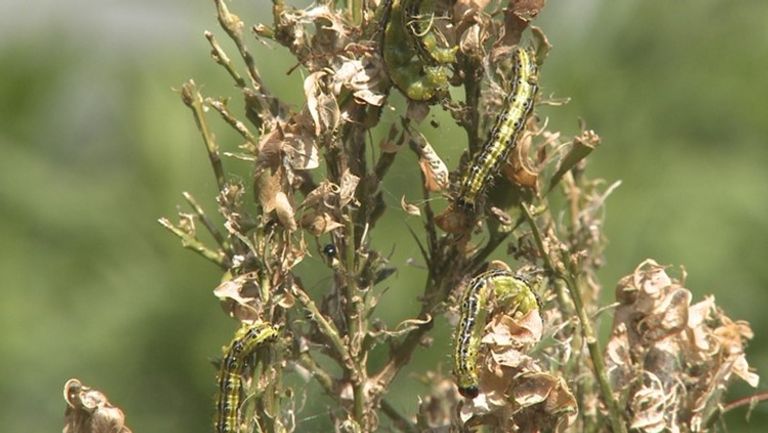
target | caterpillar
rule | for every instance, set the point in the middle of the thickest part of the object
(503, 137)
(419, 26)
(246, 340)
(506, 290)
(404, 40)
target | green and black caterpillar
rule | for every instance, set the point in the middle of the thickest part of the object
(416, 63)
(247, 339)
(494, 288)
(502, 138)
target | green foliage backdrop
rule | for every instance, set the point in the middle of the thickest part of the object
(95, 147)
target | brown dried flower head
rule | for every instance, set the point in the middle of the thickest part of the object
(673, 358)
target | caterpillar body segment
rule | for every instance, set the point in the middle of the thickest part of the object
(502, 138)
(466, 342)
(246, 340)
(496, 288)
(416, 79)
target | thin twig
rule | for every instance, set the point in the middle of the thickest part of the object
(192, 99)
(327, 327)
(232, 24)
(429, 214)
(355, 221)
(746, 401)
(192, 243)
(206, 221)
(548, 263)
(322, 377)
(354, 315)
(221, 57)
(236, 124)
(593, 345)
(596, 354)
(268, 107)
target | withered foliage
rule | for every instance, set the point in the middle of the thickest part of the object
(89, 411)
(669, 358)
(316, 189)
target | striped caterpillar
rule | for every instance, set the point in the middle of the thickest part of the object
(415, 63)
(503, 137)
(494, 288)
(247, 339)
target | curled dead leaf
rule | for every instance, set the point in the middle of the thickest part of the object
(526, 9)
(471, 39)
(525, 331)
(517, 17)
(319, 223)
(434, 169)
(241, 296)
(284, 211)
(452, 220)
(409, 208)
(347, 188)
(583, 145)
(517, 169)
(499, 265)
(273, 198)
(322, 107)
(503, 218)
(363, 76)
(89, 411)
(321, 197)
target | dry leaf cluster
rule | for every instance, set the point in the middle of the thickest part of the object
(89, 411)
(669, 358)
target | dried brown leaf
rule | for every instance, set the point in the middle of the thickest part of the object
(517, 18)
(582, 146)
(322, 107)
(526, 9)
(517, 169)
(471, 41)
(319, 223)
(273, 198)
(504, 330)
(363, 77)
(284, 211)
(409, 208)
(270, 147)
(267, 187)
(452, 220)
(502, 217)
(241, 297)
(321, 197)
(347, 188)
(680, 356)
(89, 411)
(434, 169)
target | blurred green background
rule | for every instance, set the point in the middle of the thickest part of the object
(96, 146)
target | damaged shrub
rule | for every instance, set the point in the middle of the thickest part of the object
(520, 190)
